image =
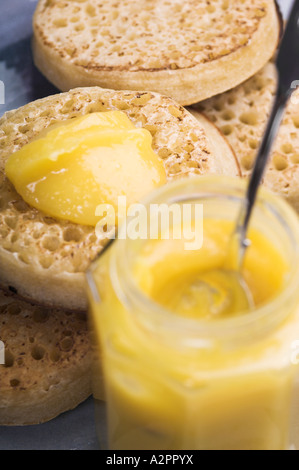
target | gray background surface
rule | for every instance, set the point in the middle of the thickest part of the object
(74, 430)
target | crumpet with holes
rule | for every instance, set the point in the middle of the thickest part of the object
(242, 113)
(189, 50)
(43, 259)
(48, 362)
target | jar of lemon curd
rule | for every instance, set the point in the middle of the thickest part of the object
(190, 357)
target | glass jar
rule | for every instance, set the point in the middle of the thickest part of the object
(176, 383)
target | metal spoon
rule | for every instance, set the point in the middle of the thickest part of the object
(288, 80)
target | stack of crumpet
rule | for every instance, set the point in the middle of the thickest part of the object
(44, 258)
(99, 53)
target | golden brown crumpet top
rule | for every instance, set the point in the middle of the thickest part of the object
(189, 50)
(242, 113)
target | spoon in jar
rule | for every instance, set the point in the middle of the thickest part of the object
(223, 291)
(287, 64)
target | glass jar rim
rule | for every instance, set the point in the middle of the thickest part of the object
(153, 313)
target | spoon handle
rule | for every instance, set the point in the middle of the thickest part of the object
(260, 165)
(288, 72)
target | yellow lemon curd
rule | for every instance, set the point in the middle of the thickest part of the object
(202, 284)
(164, 393)
(75, 165)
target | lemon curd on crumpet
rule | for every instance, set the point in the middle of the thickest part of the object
(193, 355)
(74, 166)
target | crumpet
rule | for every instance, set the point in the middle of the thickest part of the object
(43, 259)
(48, 362)
(189, 50)
(242, 113)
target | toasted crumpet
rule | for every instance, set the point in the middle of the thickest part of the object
(189, 50)
(242, 113)
(48, 362)
(43, 259)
